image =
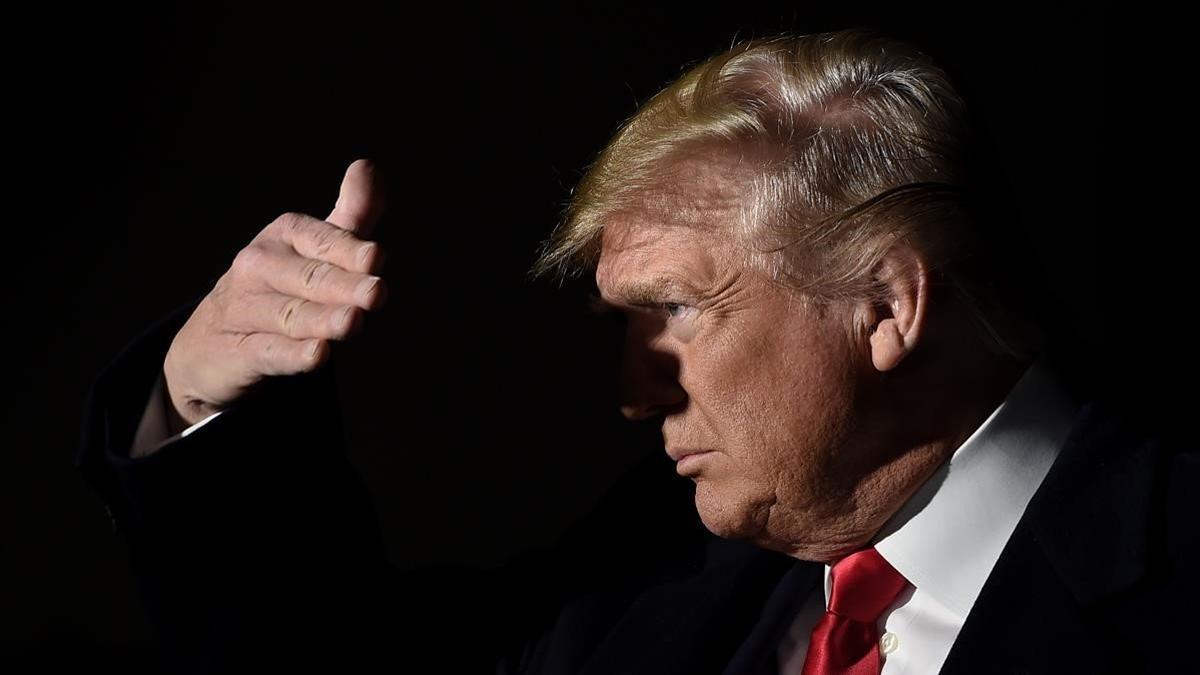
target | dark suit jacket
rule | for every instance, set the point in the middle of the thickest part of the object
(255, 546)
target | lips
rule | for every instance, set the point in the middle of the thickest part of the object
(679, 453)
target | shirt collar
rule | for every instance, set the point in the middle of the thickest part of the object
(948, 535)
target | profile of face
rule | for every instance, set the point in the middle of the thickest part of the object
(762, 390)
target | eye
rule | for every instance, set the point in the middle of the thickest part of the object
(676, 310)
(681, 319)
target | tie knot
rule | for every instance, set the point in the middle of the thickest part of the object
(863, 584)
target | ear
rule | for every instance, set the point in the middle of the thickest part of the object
(897, 320)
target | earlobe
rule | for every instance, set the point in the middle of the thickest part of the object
(887, 346)
(903, 280)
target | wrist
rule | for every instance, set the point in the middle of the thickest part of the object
(182, 411)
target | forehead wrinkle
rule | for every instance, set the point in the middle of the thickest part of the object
(651, 267)
(676, 226)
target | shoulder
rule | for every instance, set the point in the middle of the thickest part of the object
(1100, 569)
(1118, 517)
(1127, 465)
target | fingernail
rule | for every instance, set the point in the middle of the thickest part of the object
(365, 287)
(312, 348)
(344, 317)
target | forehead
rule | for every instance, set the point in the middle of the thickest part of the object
(639, 263)
(686, 224)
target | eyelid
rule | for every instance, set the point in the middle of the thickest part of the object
(681, 307)
(596, 305)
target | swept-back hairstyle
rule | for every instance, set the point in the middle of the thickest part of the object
(843, 143)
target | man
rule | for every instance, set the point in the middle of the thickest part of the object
(821, 308)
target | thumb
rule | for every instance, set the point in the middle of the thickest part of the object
(360, 201)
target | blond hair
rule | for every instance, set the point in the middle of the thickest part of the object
(842, 143)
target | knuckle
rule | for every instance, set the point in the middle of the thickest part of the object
(244, 344)
(290, 219)
(255, 349)
(288, 223)
(328, 239)
(314, 272)
(248, 259)
(288, 317)
(269, 355)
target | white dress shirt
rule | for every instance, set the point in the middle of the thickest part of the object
(944, 540)
(949, 534)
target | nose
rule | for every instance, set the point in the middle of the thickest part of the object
(648, 383)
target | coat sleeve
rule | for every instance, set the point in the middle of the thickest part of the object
(255, 545)
(153, 431)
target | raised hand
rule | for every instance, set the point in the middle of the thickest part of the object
(298, 284)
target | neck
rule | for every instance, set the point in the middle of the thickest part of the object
(922, 413)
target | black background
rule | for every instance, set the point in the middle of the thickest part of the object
(151, 145)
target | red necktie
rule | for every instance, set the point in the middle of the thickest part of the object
(846, 641)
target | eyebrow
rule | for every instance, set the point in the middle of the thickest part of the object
(643, 292)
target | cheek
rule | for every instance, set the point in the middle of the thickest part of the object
(737, 392)
(724, 382)
(781, 401)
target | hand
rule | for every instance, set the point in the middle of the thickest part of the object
(301, 282)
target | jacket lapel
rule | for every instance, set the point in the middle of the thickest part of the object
(757, 655)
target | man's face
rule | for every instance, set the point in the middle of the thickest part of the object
(740, 370)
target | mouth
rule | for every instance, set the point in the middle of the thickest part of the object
(678, 454)
(686, 460)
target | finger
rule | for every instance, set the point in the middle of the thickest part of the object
(360, 200)
(296, 318)
(315, 238)
(272, 354)
(286, 271)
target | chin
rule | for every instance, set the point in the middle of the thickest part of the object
(733, 511)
